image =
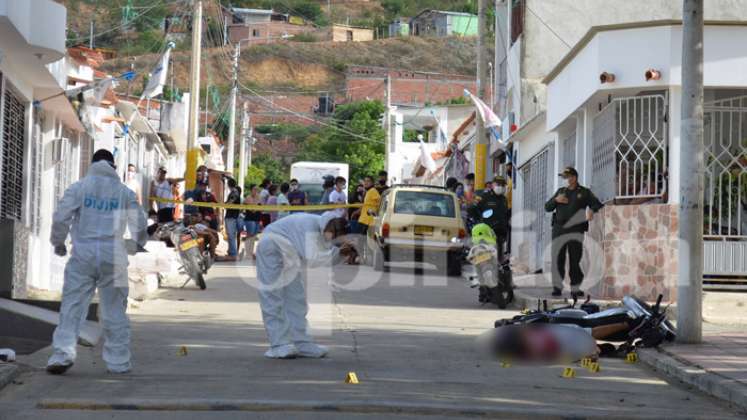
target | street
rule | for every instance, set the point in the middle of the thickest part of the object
(409, 338)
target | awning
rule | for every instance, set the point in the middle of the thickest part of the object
(140, 124)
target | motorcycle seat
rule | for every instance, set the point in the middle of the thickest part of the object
(591, 321)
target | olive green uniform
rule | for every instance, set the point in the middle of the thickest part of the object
(568, 226)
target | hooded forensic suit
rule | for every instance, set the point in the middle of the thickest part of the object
(288, 246)
(96, 211)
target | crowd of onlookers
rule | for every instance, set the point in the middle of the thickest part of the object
(237, 226)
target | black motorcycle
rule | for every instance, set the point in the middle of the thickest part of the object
(195, 263)
(635, 323)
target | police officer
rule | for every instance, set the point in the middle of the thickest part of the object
(570, 220)
(493, 199)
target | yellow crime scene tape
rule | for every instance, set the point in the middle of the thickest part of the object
(257, 207)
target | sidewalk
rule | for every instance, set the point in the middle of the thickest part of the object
(717, 367)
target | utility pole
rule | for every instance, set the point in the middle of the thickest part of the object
(690, 235)
(194, 96)
(481, 144)
(387, 122)
(90, 38)
(232, 113)
(245, 138)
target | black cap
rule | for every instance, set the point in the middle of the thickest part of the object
(569, 171)
(500, 180)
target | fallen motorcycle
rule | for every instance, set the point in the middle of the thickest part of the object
(187, 242)
(486, 268)
(634, 323)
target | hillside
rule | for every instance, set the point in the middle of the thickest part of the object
(314, 66)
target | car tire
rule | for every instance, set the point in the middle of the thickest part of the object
(453, 264)
(379, 260)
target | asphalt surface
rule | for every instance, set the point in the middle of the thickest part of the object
(410, 338)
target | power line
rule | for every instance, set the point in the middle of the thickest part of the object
(146, 10)
(547, 26)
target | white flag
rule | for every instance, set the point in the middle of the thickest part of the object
(487, 115)
(158, 75)
(426, 159)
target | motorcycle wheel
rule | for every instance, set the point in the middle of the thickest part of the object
(195, 273)
(502, 296)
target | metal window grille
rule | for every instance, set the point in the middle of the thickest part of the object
(13, 117)
(630, 148)
(60, 170)
(537, 188)
(569, 150)
(86, 154)
(36, 162)
(725, 141)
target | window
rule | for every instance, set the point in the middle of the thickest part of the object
(349, 35)
(568, 157)
(630, 149)
(537, 183)
(12, 144)
(424, 204)
(517, 20)
(255, 33)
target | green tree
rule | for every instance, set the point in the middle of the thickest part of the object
(272, 168)
(254, 175)
(357, 139)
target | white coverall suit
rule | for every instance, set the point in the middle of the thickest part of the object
(99, 208)
(287, 247)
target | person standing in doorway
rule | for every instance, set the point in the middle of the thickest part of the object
(570, 206)
(132, 180)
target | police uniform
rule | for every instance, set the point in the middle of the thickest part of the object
(568, 227)
(498, 221)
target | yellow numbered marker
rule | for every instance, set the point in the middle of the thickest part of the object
(569, 373)
(182, 351)
(593, 367)
(585, 362)
(632, 357)
(505, 364)
(352, 378)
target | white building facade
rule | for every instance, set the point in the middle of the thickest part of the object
(623, 135)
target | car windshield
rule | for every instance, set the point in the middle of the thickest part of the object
(314, 192)
(424, 204)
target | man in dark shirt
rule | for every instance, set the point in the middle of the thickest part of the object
(570, 206)
(495, 200)
(296, 197)
(232, 220)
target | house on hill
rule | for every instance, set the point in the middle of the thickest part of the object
(442, 23)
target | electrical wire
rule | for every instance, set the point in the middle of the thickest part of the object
(146, 10)
(547, 26)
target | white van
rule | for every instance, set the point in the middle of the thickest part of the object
(310, 176)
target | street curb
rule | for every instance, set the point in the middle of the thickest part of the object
(8, 372)
(348, 407)
(711, 383)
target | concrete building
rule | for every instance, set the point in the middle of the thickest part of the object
(440, 23)
(563, 107)
(436, 125)
(347, 33)
(400, 27)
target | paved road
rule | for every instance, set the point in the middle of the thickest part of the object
(409, 338)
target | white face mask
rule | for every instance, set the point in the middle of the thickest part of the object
(499, 189)
(294, 187)
(567, 182)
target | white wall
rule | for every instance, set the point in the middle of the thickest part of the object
(628, 53)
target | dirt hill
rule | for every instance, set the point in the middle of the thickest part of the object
(314, 66)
